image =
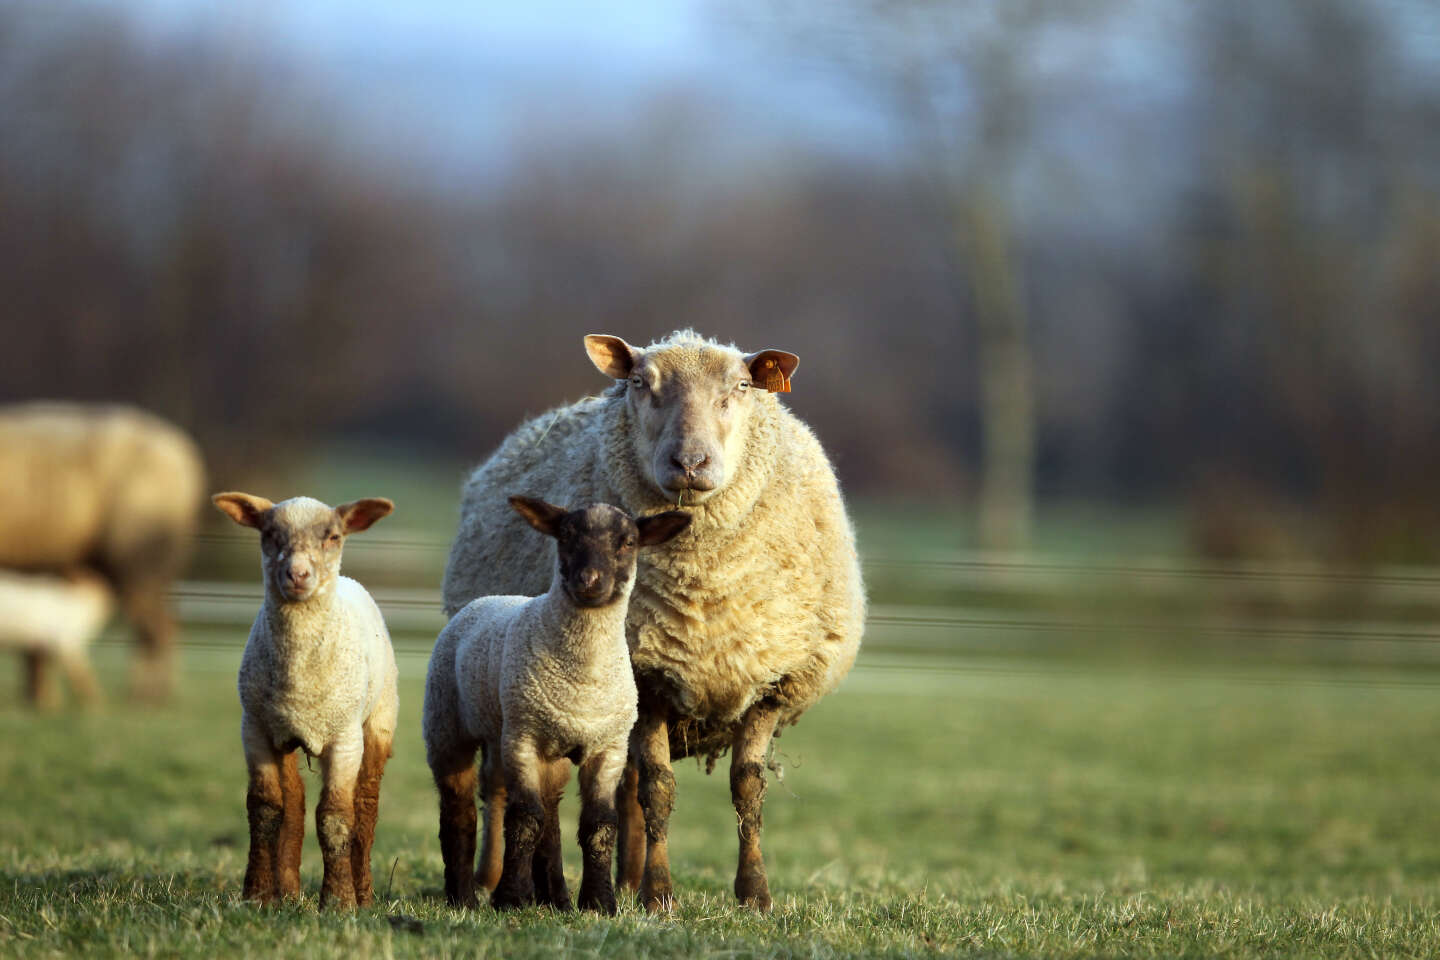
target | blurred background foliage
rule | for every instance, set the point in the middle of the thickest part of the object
(1163, 256)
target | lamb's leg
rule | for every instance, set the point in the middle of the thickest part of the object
(40, 690)
(650, 745)
(599, 777)
(630, 840)
(367, 812)
(524, 817)
(492, 842)
(292, 827)
(335, 820)
(76, 664)
(455, 779)
(548, 869)
(264, 804)
(747, 791)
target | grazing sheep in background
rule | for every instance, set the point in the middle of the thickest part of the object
(45, 616)
(109, 489)
(318, 674)
(738, 625)
(538, 684)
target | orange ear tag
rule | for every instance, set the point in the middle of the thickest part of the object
(772, 378)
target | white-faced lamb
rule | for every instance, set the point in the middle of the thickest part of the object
(537, 684)
(47, 617)
(738, 625)
(318, 674)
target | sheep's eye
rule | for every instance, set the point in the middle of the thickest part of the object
(743, 385)
(333, 539)
(637, 381)
(630, 541)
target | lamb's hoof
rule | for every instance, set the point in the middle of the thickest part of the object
(601, 901)
(752, 890)
(336, 904)
(507, 899)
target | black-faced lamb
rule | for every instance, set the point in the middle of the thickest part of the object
(318, 674)
(52, 618)
(738, 625)
(537, 684)
(108, 489)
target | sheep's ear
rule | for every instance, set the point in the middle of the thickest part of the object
(661, 527)
(612, 356)
(543, 516)
(772, 369)
(361, 514)
(245, 509)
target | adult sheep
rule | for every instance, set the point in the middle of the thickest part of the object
(105, 488)
(736, 626)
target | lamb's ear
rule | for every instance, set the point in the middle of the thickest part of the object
(543, 516)
(361, 514)
(612, 356)
(772, 369)
(244, 508)
(661, 527)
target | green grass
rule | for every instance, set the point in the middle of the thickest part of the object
(943, 807)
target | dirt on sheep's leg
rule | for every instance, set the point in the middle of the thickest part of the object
(40, 689)
(630, 839)
(492, 842)
(264, 804)
(598, 818)
(367, 812)
(292, 827)
(524, 817)
(747, 792)
(335, 822)
(547, 868)
(650, 744)
(455, 779)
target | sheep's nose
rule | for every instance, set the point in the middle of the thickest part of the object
(588, 579)
(299, 576)
(689, 461)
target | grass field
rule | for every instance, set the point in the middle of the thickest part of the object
(937, 805)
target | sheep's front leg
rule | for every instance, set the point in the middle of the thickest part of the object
(40, 689)
(524, 816)
(650, 745)
(599, 777)
(747, 792)
(335, 820)
(630, 840)
(454, 773)
(548, 868)
(264, 805)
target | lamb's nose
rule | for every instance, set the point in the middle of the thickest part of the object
(298, 577)
(689, 461)
(589, 578)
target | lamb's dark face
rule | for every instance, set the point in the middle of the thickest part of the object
(597, 545)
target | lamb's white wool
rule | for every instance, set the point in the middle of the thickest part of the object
(740, 624)
(48, 616)
(318, 674)
(535, 682)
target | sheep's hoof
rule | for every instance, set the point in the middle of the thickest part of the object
(336, 903)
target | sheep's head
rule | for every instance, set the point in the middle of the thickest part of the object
(690, 400)
(301, 539)
(597, 545)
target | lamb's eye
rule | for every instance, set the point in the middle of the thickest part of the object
(630, 542)
(743, 386)
(333, 539)
(637, 381)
